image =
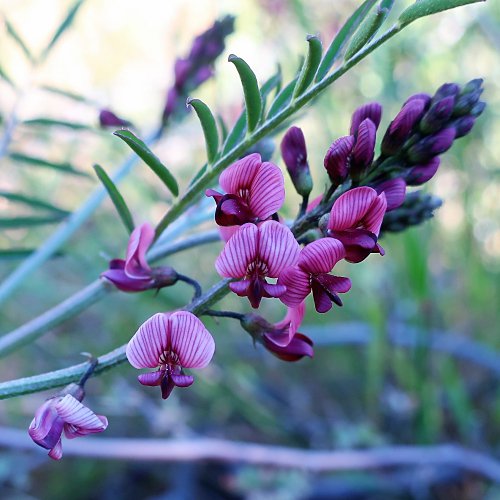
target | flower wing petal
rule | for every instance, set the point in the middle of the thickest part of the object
(238, 252)
(350, 208)
(190, 340)
(395, 192)
(267, 192)
(148, 343)
(320, 256)
(297, 285)
(79, 416)
(136, 265)
(372, 221)
(278, 247)
(240, 174)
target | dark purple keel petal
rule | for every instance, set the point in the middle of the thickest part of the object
(151, 378)
(299, 347)
(333, 284)
(355, 238)
(47, 426)
(125, 283)
(322, 298)
(270, 290)
(233, 211)
(181, 380)
(167, 386)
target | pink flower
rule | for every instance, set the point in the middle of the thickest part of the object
(254, 253)
(282, 338)
(255, 191)
(63, 414)
(134, 274)
(355, 220)
(312, 274)
(170, 342)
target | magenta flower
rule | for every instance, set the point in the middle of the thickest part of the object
(170, 342)
(355, 220)
(311, 273)
(63, 414)
(134, 274)
(255, 190)
(108, 119)
(254, 253)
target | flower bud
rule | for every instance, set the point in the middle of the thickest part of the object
(446, 90)
(478, 109)
(294, 153)
(364, 149)
(402, 126)
(163, 276)
(465, 102)
(108, 119)
(421, 96)
(463, 125)
(437, 115)
(337, 158)
(371, 110)
(431, 145)
(422, 173)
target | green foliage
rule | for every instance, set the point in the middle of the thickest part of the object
(64, 168)
(51, 122)
(209, 127)
(32, 202)
(19, 41)
(310, 65)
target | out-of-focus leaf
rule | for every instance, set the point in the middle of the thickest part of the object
(273, 82)
(222, 128)
(116, 198)
(18, 253)
(5, 77)
(199, 174)
(65, 168)
(32, 202)
(310, 65)
(68, 94)
(209, 127)
(236, 134)
(149, 158)
(423, 8)
(66, 23)
(282, 99)
(28, 221)
(253, 99)
(343, 37)
(19, 41)
(50, 122)
(369, 28)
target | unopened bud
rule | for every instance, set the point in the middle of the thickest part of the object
(364, 149)
(437, 115)
(163, 276)
(422, 173)
(431, 145)
(294, 153)
(371, 110)
(446, 90)
(337, 158)
(463, 125)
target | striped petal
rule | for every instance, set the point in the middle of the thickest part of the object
(320, 256)
(56, 452)
(395, 192)
(140, 240)
(292, 320)
(350, 208)
(46, 428)
(371, 110)
(149, 342)
(82, 420)
(240, 175)
(363, 151)
(267, 192)
(297, 284)
(278, 247)
(375, 215)
(190, 340)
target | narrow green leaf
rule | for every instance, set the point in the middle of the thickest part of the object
(198, 174)
(236, 134)
(423, 8)
(49, 122)
(64, 168)
(310, 65)
(19, 41)
(369, 28)
(149, 158)
(32, 202)
(68, 94)
(209, 127)
(116, 198)
(16, 253)
(343, 37)
(273, 82)
(66, 23)
(282, 99)
(222, 128)
(28, 221)
(4, 76)
(253, 99)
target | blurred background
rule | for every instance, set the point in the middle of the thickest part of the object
(412, 357)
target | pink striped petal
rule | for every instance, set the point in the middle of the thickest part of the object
(350, 208)
(83, 420)
(297, 284)
(267, 192)
(278, 247)
(293, 320)
(239, 252)
(149, 342)
(363, 151)
(374, 217)
(46, 428)
(56, 452)
(190, 340)
(395, 192)
(240, 175)
(140, 240)
(320, 256)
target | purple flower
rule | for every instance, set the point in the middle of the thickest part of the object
(170, 342)
(364, 148)
(108, 119)
(337, 159)
(294, 153)
(134, 274)
(63, 414)
(355, 220)
(419, 174)
(431, 145)
(311, 273)
(370, 110)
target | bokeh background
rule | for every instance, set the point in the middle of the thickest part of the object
(376, 379)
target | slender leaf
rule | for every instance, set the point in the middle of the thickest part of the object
(66, 23)
(222, 128)
(116, 198)
(423, 8)
(149, 158)
(253, 99)
(209, 127)
(28, 221)
(17, 38)
(343, 37)
(68, 94)
(32, 202)
(5, 77)
(65, 168)
(369, 28)
(273, 82)
(282, 99)
(49, 122)
(236, 134)
(310, 65)
(19, 253)
(198, 174)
